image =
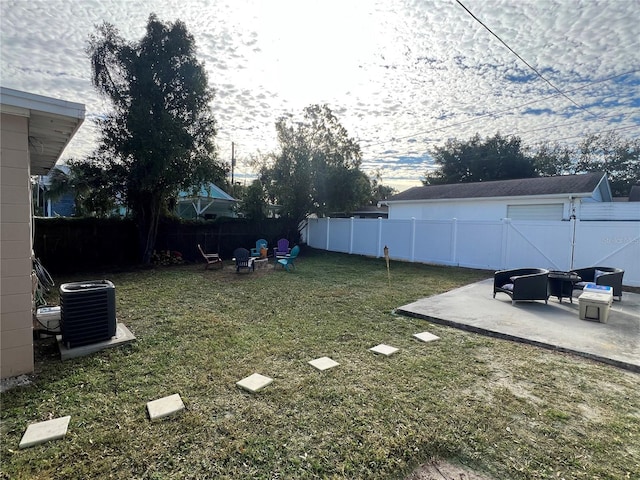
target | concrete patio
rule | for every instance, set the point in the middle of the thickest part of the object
(555, 326)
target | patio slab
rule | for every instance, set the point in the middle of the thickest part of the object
(555, 325)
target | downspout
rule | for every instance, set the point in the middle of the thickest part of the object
(572, 217)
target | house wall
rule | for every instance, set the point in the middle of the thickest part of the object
(16, 338)
(463, 209)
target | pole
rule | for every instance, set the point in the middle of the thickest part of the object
(233, 162)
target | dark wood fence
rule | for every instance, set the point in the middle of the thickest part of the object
(67, 245)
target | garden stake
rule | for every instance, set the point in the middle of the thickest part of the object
(386, 258)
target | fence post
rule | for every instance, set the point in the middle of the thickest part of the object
(413, 239)
(506, 226)
(379, 237)
(328, 231)
(454, 241)
(351, 235)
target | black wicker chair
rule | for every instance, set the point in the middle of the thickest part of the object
(608, 276)
(522, 284)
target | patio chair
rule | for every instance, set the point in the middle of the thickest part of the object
(255, 252)
(243, 259)
(282, 249)
(609, 276)
(522, 284)
(210, 258)
(289, 260)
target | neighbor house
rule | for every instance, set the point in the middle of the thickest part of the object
(209, 203)
(34, 132)
(539, 198)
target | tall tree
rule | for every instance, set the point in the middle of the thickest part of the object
(317, 168)
(254, 202)
(553, 159)
(158, 139)
(479, 160)
(619, 158)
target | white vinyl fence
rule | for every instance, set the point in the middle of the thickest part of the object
(490, 245)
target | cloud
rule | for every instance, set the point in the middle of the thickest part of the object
(399, 74)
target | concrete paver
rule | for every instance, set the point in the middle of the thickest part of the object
(323, 363)
(165, 406)
(254, 383)
(41, 432)
(383, 349)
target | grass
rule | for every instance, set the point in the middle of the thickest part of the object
(505, 409)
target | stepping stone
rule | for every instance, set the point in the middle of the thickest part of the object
(426, 337)
(41, 432)
(254, 383)
(323, 363)
(383, 349)
(165, 406)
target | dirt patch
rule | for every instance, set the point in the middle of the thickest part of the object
(441, 470)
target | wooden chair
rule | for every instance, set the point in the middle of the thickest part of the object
(290, 259)
(282, 249)
(210, 258)
(255, 252)
(243, 259)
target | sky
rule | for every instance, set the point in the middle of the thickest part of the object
(401, 76)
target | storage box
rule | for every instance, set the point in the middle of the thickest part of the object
(48, 318)
(595, 306)
(601, 289)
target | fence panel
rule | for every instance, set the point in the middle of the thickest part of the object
(340, 235)
(365, 236)
(609, 244)
(479, 244)
(396, 234)
(543, 244)
(434, 240)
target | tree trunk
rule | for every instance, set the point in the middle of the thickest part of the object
(148, 228)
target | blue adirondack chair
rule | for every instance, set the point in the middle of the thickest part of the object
(289, 260)
(255, 252)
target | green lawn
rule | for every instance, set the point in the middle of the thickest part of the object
(508, 410)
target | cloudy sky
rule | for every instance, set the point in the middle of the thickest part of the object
(402, 76)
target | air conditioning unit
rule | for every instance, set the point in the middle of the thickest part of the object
(87, 312)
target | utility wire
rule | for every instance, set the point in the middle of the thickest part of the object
(525, 62)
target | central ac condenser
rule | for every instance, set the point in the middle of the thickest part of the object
(87, 312)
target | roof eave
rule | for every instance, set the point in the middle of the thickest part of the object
(52, 124)
(476, 199)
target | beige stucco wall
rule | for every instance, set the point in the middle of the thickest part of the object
(16, 337)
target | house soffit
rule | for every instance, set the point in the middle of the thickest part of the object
(52, 124)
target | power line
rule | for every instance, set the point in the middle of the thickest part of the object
(524, 61)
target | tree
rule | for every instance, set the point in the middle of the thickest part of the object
(317, 169)
(92, 191)
(158, 139)
(551, 160)
(254, 202)
(378, 190)
(617, 157)
(478, 160)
